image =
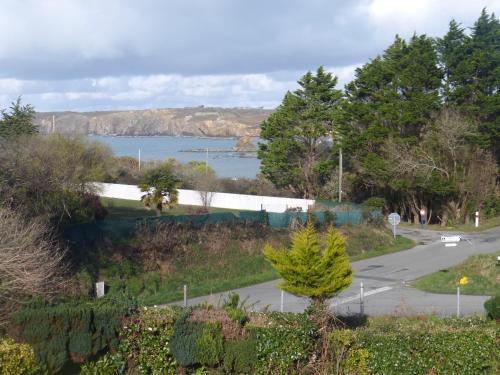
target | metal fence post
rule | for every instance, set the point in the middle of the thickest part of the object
(185, 296)
(458, 302)
(361, 299)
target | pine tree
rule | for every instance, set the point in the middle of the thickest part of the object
(18, 121)
(295, 153)
(309, 269)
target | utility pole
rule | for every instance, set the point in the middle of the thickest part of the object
(139, 159)
(340, 175)
(206, 164)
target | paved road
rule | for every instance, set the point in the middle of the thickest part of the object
(386, 278)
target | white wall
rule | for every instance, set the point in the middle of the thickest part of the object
(220, 200)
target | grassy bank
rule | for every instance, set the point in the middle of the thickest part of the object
(215, 260)
(481, 270)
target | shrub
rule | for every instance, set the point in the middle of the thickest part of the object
(184, 338)
(109, 364)
(492, 307)
(17, 358)
(285, 343)
(420, 353)
(491, 206)
(145, 341)
(240, 357)
(197, 343)
(71, 332)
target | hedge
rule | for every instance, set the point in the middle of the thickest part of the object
(70, 333)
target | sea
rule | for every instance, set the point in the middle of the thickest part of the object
(225, 164)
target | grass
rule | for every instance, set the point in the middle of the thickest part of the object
(484, 224)
(482, 271)
(124, 208)
(206, 267)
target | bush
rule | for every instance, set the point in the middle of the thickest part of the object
(71, 332)
(145, 341)
(426, 345)
(492, 307)
(491, 206)
(197, 343)
(286, 342)
(17, 358)
(110, 364)
(240, 357)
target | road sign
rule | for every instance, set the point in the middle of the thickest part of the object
(394, 219)
(450, 241)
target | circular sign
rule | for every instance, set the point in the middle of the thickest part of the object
(394, 218)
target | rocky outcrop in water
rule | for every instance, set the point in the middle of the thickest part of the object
(200, 121)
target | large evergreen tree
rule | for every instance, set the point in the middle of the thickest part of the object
(472, 64)
(297, 153)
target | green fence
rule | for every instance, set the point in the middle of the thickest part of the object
(123, 229)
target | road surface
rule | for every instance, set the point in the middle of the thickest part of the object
(386, 278)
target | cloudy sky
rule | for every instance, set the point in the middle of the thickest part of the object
(121, 54)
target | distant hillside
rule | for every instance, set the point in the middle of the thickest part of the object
(200, 121)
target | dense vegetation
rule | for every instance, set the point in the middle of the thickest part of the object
(229, 340)
(418, 127)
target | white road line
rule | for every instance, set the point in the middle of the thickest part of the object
(357, 296)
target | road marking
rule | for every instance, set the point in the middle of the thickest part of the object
(357, 296)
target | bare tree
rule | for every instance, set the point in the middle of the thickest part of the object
(31, 261)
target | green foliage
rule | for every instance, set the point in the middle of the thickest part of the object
(294, 153)
(285, 343)
(109, 364)
(196, 343)
(52, 176)
(210, 344)
(307, 269)
(491, 205)
(145, 341)
(492, 307)
(234, 310)
(240, 357)
(18, 121)
(440, 352)
(71, 332)
(160, 187)
(17, 358)
(377, 202)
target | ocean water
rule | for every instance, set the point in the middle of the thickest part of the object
(163, 147)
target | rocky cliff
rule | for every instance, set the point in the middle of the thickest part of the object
(200, 121)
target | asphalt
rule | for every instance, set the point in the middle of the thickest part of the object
(386, 280)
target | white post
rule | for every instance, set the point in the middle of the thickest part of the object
(477, 219)
(282, 299)
(458, 302)
(361, 299)
(185, 296)
(394, 231)
(340, 175)
(139, 159)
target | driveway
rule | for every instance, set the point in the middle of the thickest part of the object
(385, 280)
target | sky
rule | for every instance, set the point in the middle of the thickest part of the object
(86, 55)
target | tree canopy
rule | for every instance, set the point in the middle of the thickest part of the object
(418, 126)
(18, 120)
(160, 187)
(296, 152)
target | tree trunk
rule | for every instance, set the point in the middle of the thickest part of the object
(158, 209)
